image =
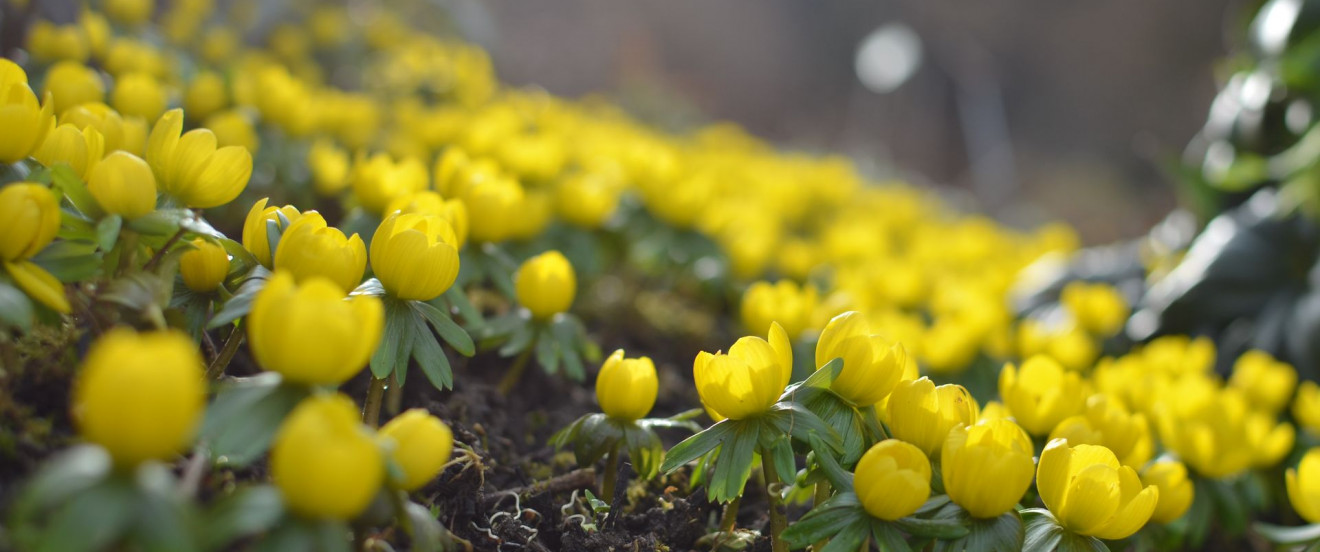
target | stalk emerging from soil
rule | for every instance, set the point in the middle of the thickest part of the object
(611, 475)
(730, 517)
(226, 354)
(515, 372)
(371, 409)
(778, 515)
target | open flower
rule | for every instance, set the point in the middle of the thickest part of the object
(872, 364)
(922, 414)
(123, 185)
(310, 333)
(749, 379)
(255, 238)
(309, 248)
(1041, 394)
(25, 120)
(987, 467)
(1091, 493)
(191, 168)
(1176, 489)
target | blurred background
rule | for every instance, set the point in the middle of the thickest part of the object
(1039, 110)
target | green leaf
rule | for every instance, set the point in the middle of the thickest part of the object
(566, 337)
(794, 419)
(1231, 509)
(75, 227)
(697, 445)
(933, 528)
(65, 475)
(826, 520)
(520, 339)
(547, 355)
(246, 413)
(843, 418)
(841, 479)
(1044, 534)
(107, 231)
(240, 303)
(246, 512)
(849, 538)
(431, 358)
(70, 261)
(386, 357)
(73, 187)
(645, 450)
(1278, 534)
(91, 520)
(458, 298)
(734, 464)
(15, 307)
(165, 523)
(163, 222)
(1002, 534)
(887, 537)
(597, 436)
(780, 452)
(454, 335)
(819, 379)
(426, 532)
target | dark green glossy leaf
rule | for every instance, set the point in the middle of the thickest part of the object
(887, 537)
(1044, 534)
(70, 261)
(427, 534)
(66, 474)
(246, 512)
(547, 355)
(454, 335)
(165, 523)
(91, 520)
(386, 357)
(519, 340)
(73, 187)
(849, 538)
(458, 298)
(943, 529)
(433, 362)
(645, 450)
(697, 445)
(827, 520)
(242, 420)
(240, 303)
(733, 466)
(844, 419)
(794, 419)
(569, 341)
(1002, 534)
(841, 479)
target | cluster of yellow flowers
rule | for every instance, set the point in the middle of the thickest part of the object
(436, 169)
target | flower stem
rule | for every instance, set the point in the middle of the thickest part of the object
(730, 517)
(160, 253)
(394, 395)
(515, 372)
(822, 494)
(371, 409)
(778, 516)
(128, 245)
(226, 354)
(611, 475)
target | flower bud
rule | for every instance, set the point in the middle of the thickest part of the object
(329, 166)
(1090, 493)
(892, 479)
(206, 94)
(427, 202)
(79, 149)
(310, 333)
(1041, 394)
(546, 284)
(421, 447)
(26, 122)
(378, 180)
(140, 395)
(922, 414)
(29, 220)
(1176, 489)
(587, 200)
(205, 267)
(71, 83)
(784, 302)
(749, 379)
(324, 461)
(191, 168)
(1267, 383)
(139, 95)
(872, 365)
(987, 467)
(626, 387)
(310, 249)
(415, 256)
(123, 185)
(101, 117)
(493, 207)
(255, 239)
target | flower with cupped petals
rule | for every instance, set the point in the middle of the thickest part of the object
(324, 461)
(309, 248)
(892, 479)
(1090, 493)
(546, 284)
(419, 444)
(415, 256)
(310, 333)
(191, 168)
(749, 379)
(987, 467)
(872, 364)
(922, 414)
(626, 387)
(255, 238)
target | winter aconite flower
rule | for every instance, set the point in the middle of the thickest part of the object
(626, 387)
(139, 95)
(377, 180)
(1041, 394)
(587, 199)
(1304, 486)
(204, 267)
(892, 479)
(1105, 421)
(25, 120)
(309, 249)
(420, 446)
(922, 414)
(749, 379)
(987, 467)
(29, 220)
(1099, 308)
(427, 202)
(123, 185)
(493, 206)
(310, 333)
(66, 144)
(329, 166)
(1267, 383)
(784, 301)
(140, 395)
(1091, 493)
(415, 256)
(546, 284)
(255, 238)
(324, 461)
(191, 168)
(1176, 489)
(872, 364)
(71, 83)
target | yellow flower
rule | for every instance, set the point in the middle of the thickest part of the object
(415, 256)
(1306, 407)
(892, 479)
(1304, 486)
(377, 180)
(129, 12)
(233, 128)
(1091, 493)
(49, 42)
(534, 215)
(1075, 349)
(546, 284)
(39, 284)
(206, 94)
(987, 467)
(329, 166)
(587, 200)
(626, 387)
(493, 207)
(324, 461)
(922, 414)
(1267, 383)
(97, 30)
(139, 95)
(1041, 394)
(123, 185)
(140, 395)
(191, 168)
(427, 202)
(101, 117)
(872, 364)
(26, 122)
(29, 220)
(79, 149)
(310, 333)
(205, 267)
(135, 136)
(1215, 431)
(310, 249)
(749, 379)
(71, 83)
(254, 228)
(421, 445)
(1176, 489)
(784, 302)
(1099, 308)
(1106, 422)
(993, 410)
